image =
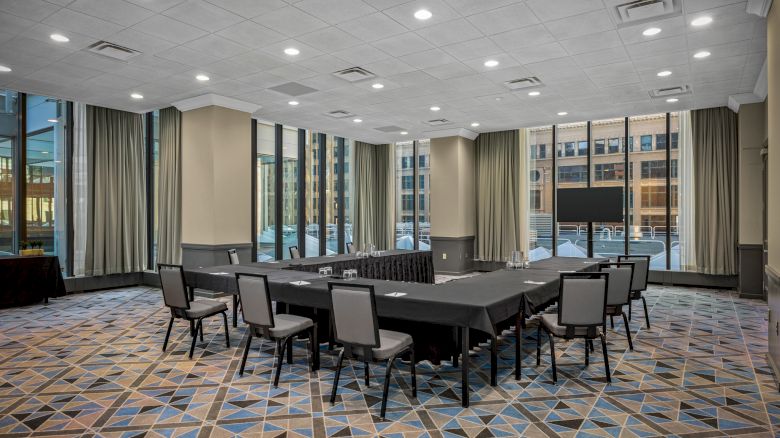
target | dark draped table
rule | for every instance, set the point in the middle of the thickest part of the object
(482, 302)
(29, 279)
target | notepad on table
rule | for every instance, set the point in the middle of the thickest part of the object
(395, 294)
(533, 282)
(219, 273)
(300, 283)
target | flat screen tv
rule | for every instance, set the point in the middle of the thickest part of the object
(597, 204)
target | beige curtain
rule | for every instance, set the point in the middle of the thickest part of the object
(498, 195)
(116, 232)
(686, 220)
(525, 199)
(373, 214)
(169, 188)
(715, 153)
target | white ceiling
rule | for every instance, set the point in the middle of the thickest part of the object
(591, 67)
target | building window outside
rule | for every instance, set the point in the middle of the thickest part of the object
(598, 147)
(646, 142)
(573, 174)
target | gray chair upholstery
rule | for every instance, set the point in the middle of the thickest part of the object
(351, 248)
(233, 257)
(174, 290)
(582, 300)
(639, 281)
(257, 310)
(294, 253)
(355, 326)
(619, 293)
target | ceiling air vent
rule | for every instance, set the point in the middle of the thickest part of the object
(339, 114)
(354, 74)
(522, 83)
(113, 51)
(438, 122)
(293, 89)
(637, 11)
(670, 91)
(391, 128)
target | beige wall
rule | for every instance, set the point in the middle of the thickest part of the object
(752, 133)
(216, 176)
(452, 187)
(773, 114)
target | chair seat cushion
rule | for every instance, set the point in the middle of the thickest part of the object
(204, 307)
(286, 325)
(390, 344)
(550, 321)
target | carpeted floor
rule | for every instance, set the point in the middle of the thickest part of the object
(91, 364)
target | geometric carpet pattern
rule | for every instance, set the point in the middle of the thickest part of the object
(91, 365)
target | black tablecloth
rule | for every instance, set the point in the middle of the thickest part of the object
(398, 265)
(29, 279)
(568, 264)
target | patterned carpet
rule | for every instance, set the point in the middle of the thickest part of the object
(91, 365)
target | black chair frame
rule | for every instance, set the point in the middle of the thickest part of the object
(636, 294)
(618, 309)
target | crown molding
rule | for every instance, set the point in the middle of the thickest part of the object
(215, 100)
(758, 7)
(761, 89)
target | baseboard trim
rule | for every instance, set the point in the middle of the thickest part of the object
(93, 283)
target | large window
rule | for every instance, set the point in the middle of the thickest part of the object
(312, 194)
(541, 199)
(349, 189)
(424, 190)
(572, 173)
(609, 171)
(8, 139)
(332, 218)
(289, 189)
(266, 189)
(404, 204)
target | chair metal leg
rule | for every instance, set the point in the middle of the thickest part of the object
(192, 328)
(587, 353)
(629, 308)
(611, 322)
(493, 361)
(168, 333)
(539, 345)
(519, 345)
(289, 350)
(280, 345)
(195, 337)
(227, 331)
(336, 377)
(647, 315)
(235, 310)
(388, 374)
(606, 357)
(246, 353)
(413, 365)
(628, 332)
(368, 384)
(200, 329)
(315, 347)
(552, 357)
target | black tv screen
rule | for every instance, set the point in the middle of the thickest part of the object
(598, 204)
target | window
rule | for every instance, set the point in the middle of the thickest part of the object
(424, 207)
(266, 190)
(540, 198)
(534, 176)
(569, 149)
(609, 172)
(422, 182)
(407, 203)
(533, 151)
(655, 169)
(582, 148)
(646, 143)
(289, 190)
(8, 139)
(598, 147)
(404, 203)
(654, 197)
(573, 174)
(542, 151)
(407, 183)
(675, 137)
(423, 159)
(536, 200)
(614, 145)
(660, 142)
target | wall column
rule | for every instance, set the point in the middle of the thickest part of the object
(216, 183)
(453, 200)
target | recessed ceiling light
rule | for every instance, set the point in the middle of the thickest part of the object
(491, 63)
(702, 21)
(378, 86)
(651, 31)
(435, 108)
(474, 125)
(701, 55)
(423, 14)
(672, 100)
(52, 120)
(293, 102)
(663, 74)
(563, 113)
(59, 38)
(292, 51)
(404, 132)
(357, 120)
(4, 69)
(534, 93)
(202, 78)
(137, 96)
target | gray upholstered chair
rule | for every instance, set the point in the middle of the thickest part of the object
(233, 257)
(355, 326)
(639, 282)
(294, 253)
(582, 302)
(351, 248)
(619, 293)
(174, 289)
(258, 313)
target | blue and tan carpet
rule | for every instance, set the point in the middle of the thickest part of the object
(91, 365)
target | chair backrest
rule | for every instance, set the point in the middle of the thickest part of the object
(255, 299)
(620, 277)
(294, 253)
(174, 287)
(351, 248)
(641, 270)
(353, 314)
(582, 299)
(233, 257)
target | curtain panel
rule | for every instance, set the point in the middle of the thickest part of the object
(374, 216)
(499, 216)
(687, 197)
(715, 154)
(116, 228)
(169, 188)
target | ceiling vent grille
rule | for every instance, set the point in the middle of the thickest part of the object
(629, 13)
(659, 93)
(523, 83)
(293, 89)
(354, 74)
(390, 128)
(113, 51)
(339, 114)
(438, 122)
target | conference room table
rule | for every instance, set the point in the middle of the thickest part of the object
(479, 302)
